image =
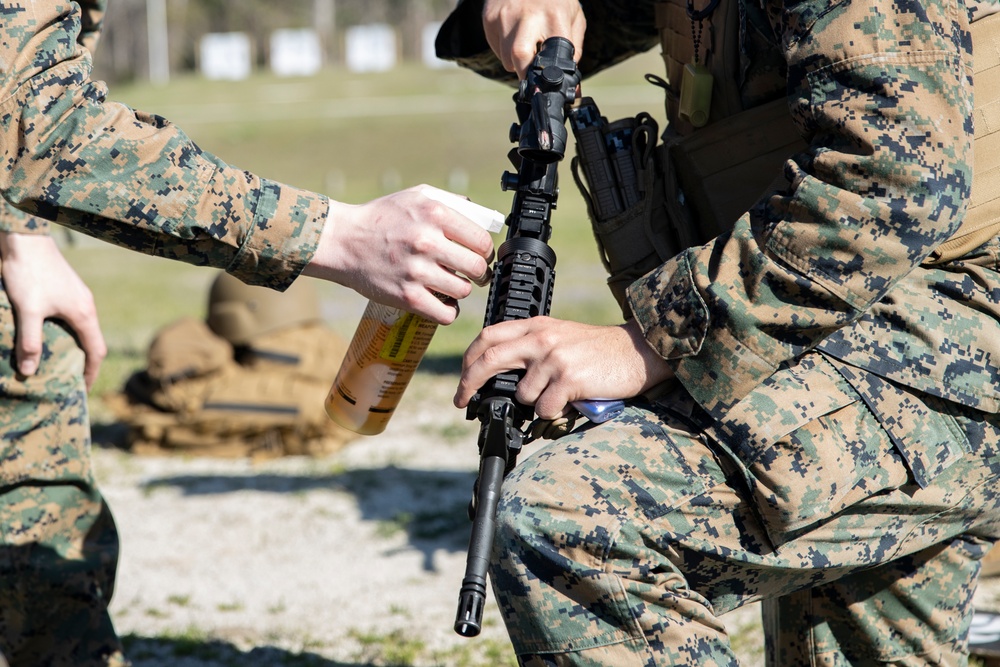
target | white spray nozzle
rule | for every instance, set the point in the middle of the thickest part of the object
(487, 218)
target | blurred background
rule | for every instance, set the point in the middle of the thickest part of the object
(343, 97)
(155, 39)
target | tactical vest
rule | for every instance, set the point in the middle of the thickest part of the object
(721, 168)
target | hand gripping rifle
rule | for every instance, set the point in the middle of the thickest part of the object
(523, 277)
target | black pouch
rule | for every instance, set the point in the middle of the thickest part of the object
(617, 171)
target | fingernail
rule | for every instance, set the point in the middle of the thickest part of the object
(484, 279)
(29, 367)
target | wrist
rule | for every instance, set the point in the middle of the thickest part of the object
(328, 261)
(654, 368)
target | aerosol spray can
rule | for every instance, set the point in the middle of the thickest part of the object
(387, 347)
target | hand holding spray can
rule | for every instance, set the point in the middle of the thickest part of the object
(387, 347)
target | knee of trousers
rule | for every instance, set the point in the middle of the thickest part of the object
(547, 574)
(570, 580)
(534, 516)
(547, 535)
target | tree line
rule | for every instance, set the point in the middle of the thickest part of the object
(123, 53)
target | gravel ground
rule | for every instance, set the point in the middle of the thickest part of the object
(351, 560)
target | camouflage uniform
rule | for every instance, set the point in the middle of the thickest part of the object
(133, 179)
(58, 543)
(832, 441)
(129, 177)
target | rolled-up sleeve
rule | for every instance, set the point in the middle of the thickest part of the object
(882, 91)
(128, 177)
(16, 221)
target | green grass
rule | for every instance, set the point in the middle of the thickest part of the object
(354, 137)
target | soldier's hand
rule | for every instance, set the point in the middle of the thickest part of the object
(405, 250)
(41, 284)
(516, 28)
(563, 361)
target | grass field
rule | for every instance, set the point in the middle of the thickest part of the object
(354, 137)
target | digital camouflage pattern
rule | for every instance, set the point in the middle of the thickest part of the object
(13, 219)
(831, 443)
(624, 543)
(58, 543)
(887, 112)
(58, 539)
(129, 177)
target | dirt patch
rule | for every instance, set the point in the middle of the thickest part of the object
(353, 559)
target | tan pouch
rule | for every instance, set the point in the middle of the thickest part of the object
(185, 349)
(311, 349)
(982, 219)
(242, 412)
(196, 399)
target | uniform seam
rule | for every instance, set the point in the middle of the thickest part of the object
(245, 244)
(33, 82)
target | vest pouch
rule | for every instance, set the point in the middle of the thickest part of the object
(618, 173)
(270, 405)
(628, 242)
(244, 412)
(718, 173)
(186, 349)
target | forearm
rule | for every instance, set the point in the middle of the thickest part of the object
(888, 118)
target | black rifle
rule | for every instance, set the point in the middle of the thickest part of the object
(523, 277)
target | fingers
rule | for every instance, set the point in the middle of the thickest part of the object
(562, 361)
(434, 308)
(41, 285)
(465, 251)
(471, 249)
(403, 250)
(91, 339)
(515, 30)
(85, 326)
(501, 348)
(28, 325)
(81, 317)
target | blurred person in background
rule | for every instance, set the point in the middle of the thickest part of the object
(133, 179)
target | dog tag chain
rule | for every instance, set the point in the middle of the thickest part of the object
(696, 79)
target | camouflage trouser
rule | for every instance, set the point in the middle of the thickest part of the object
(625, 543)
(58, 542)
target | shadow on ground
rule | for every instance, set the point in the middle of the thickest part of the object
(189, 652)
(431, 506)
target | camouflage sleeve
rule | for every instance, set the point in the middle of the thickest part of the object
(12, 219)
(979, 9)
(131, 178)
(91, 22)
(882, 92)
(616, 30)
(17, 221)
